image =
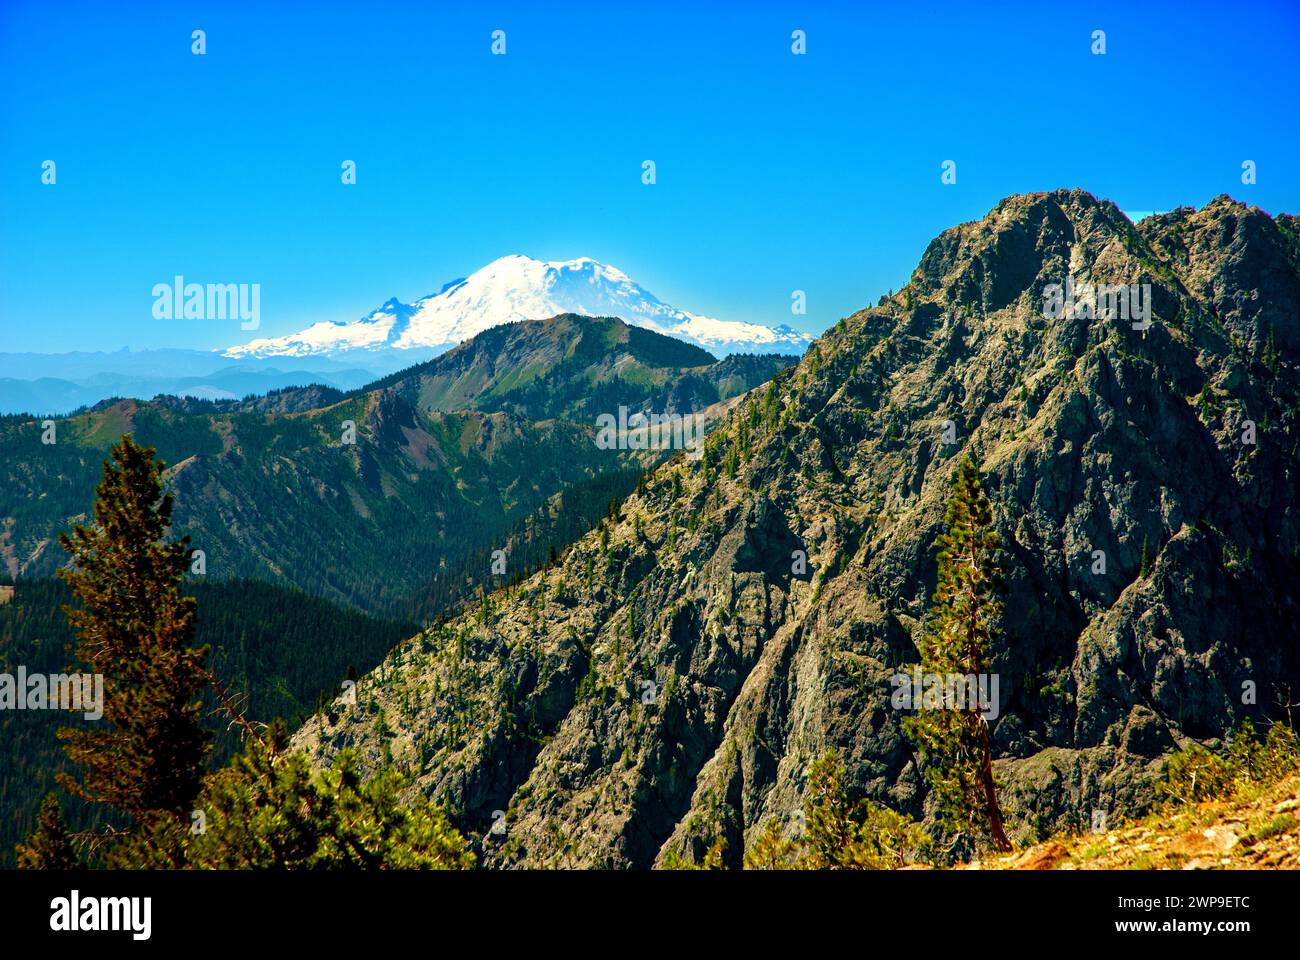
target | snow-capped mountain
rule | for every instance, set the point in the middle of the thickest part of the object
(521, 288)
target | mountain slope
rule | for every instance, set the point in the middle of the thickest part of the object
(1254, 826)
(577, 368)
(282, 496)
(405, 518)
(668, 682)
(517, 288)
(1259, 833)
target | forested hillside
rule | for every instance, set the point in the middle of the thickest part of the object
(388, 499)
(278, 649)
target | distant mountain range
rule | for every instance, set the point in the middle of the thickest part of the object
(348, 354)
(520, 288)
(58, 383)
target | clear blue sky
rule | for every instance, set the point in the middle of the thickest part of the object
(775, 172)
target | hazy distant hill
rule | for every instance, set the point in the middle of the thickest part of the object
(57, 384)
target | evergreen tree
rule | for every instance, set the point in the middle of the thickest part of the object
(135, 627)
(772, 850)
(713, 858)
(954, 743)
(269, 810)
(848, 835)
(48, 847)
(840, 834)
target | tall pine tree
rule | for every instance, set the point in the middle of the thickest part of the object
(268, 809)
(135, 627)
(954, 740)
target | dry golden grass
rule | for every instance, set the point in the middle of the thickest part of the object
(1255, 828)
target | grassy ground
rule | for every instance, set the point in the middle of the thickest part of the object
(1255, 827)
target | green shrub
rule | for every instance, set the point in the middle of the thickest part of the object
(1195, 774)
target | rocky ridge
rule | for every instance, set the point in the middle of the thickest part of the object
(667, 682)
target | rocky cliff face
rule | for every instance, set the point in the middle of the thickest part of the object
(669, 680)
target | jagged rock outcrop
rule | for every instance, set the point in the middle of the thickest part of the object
(669, 680)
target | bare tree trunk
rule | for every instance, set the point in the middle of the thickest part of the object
(990, 794)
